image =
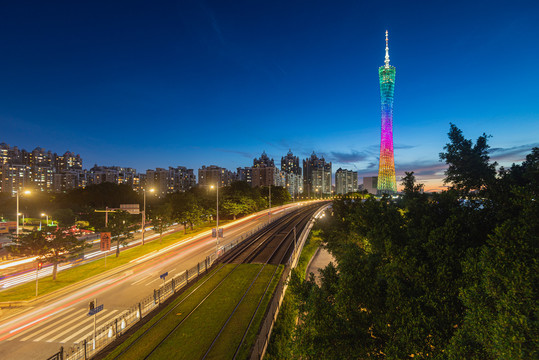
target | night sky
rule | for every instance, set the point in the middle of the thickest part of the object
(191, 83)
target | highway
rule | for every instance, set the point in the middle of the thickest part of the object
(62, 320)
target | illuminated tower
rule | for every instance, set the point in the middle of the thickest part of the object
(386, 171)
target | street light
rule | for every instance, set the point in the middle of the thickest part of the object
(18, 214)
(217, 221)
(144, 212)
(43, 214)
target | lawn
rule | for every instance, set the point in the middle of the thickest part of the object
(192, 339)
(231, 337)
(73, 275)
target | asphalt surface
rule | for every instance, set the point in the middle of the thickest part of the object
(40, 331)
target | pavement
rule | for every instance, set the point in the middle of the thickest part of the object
(320, 260)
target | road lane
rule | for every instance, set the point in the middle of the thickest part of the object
(62, 322)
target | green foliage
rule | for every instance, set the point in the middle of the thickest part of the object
(469, 167)
(120, 226)
(431, 276)
(64, 217)
(51, 245)
(162, 219)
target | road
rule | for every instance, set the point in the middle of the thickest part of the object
(40, 331)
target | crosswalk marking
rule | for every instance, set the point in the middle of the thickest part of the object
(51, 322)
(64, 324)
(84, 336)
(88, 327)
(60, 326)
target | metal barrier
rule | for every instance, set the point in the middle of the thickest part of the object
(107, 333)
(259, 348)
(58, 356)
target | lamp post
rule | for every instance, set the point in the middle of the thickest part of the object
(269, 209)
(18, 214)
(217, 220)
(43, 214)
(144, 213)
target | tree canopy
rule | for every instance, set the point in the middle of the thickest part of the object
(430, 276)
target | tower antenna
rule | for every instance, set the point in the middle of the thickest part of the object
(387, 52)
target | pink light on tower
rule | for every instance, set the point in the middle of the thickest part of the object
(387, 183)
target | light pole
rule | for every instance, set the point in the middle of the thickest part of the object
(269, 209)
(217, 220)
(43, 214)
(18, 214)
(144, 213)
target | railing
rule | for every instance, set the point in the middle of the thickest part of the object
(259, 348)
(109, 332)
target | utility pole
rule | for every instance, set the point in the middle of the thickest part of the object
(217, 217)
(269, 209)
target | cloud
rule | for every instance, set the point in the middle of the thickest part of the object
(514, 154)
(403, 146)
(351, 157)
(242, 153)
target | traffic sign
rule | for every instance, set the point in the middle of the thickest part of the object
(105, 241)
(95, 310)
(164, 275)
(214, 232)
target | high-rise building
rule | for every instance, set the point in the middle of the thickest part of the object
(316, 176)
(345, 181)
(213, 174)
(263, 161)
(387, 183)
(290, 164)
(370, 183)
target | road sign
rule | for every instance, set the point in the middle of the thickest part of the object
(164, 275)
(130, 208)
(105, 241)
(214, 232)
(95, 310)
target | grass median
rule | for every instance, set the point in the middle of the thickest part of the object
(192, 339)
(27, 291)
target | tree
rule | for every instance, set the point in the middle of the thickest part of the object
(232, 207)
(121, 227)
(469, 167)
(411, 188)
(162, 219)
(65, 217)
(53, 245)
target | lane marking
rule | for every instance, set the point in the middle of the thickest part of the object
(151, 282)
(141, 280)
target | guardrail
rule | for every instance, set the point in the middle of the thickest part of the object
(259, 348)
(106, 334)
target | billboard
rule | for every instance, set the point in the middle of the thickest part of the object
(130, 208)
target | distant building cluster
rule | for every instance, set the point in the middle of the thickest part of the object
(47, 171)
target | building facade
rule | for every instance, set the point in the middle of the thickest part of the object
(213, 174)
(316, 176)
(345, 181)
(290, 164)
(370, 183)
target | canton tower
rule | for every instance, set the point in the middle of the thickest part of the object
(386, 171)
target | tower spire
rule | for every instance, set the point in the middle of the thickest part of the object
(387, 52)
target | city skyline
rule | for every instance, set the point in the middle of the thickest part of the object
(195, 83)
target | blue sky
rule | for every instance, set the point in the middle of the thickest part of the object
(191, 83)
